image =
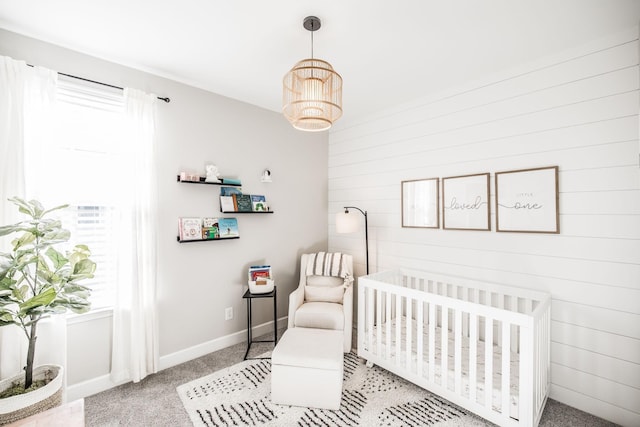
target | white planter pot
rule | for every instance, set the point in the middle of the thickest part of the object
(17, 407)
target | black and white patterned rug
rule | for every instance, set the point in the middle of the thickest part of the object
(240, 395)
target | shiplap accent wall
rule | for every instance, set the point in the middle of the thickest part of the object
(577, 110)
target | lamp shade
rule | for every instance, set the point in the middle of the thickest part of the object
(312, 95)
(346, 222)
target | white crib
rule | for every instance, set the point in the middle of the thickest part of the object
(458, 338)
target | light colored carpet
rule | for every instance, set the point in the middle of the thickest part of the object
(155, 402)
(240, 395)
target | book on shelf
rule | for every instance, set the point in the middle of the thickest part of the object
(231, 181)
(226, 204)
(260, 273)
(242, 202)
(190, 228)
(210, 228)
(259, 203)
(228, 227)
(209, 222)
(229, 191)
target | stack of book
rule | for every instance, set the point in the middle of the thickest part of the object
(260, 279)
(195, 228)
(233, 200)
(259, 273)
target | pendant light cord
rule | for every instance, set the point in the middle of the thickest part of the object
(312, 31)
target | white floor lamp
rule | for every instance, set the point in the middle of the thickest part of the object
(348, 223)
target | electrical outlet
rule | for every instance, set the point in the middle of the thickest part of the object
(228, 313)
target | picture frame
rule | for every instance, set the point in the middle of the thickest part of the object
(465, 202)
(420, 203)
(527, 200)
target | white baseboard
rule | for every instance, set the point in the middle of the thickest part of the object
(90, 387)
(103, 383)
(200, 350)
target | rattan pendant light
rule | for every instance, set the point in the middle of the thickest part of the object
(312, 90)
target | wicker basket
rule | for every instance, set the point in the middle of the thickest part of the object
(49, 396)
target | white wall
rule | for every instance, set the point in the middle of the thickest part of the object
(197, 281)
(577, 110)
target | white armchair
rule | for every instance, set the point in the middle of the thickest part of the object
(324, 297)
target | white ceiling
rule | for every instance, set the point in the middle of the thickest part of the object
(387, 52)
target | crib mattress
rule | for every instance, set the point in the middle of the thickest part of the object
(480, 365)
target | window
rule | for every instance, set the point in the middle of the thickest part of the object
(80, 163)
(94, 226)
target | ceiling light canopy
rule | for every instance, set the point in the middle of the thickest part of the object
(312, 90)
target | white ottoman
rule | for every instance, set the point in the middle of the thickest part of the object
(306, 368)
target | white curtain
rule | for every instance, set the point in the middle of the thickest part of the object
(135, 331)
(28, 96)
(26, 103)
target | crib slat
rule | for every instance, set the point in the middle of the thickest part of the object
(398, 328)
(513, 306)
(420, 338)
(409, 329)
(388, 327)
(506, 371)
(499, 304)
(537, 376)
(536, 357)
(473, 356)
(540, 351)
(378, 322)
(488, 361)
(542, 365)
(458, 351)
(526, 380)
(432, 341)
(362, 308)
(444, 347)
(369, 319)
(465, 316)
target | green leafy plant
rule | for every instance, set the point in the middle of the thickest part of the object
(36, 280)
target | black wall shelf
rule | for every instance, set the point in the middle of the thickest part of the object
(202, 181)
(247, 212)
(205, 240)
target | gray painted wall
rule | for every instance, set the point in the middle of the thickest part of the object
(197, 281)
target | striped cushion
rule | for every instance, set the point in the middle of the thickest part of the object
(326, 264)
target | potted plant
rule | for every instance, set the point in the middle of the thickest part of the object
(36, 281)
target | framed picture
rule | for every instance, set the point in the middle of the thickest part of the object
(420, 203)
(465, 202)
(527, 200)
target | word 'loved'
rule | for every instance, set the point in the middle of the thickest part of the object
(454, 205)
